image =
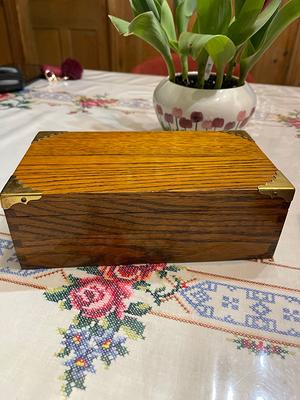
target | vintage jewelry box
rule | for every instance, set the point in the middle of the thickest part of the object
(88, 198)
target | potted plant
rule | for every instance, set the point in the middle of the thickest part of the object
(227, 32)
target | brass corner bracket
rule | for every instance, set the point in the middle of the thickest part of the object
(242, 134)
(15, 193)
(8, 201)
(46, 134)
(278, 187)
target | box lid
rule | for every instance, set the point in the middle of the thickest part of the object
(70, 163)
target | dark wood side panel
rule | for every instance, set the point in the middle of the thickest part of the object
(212, 226)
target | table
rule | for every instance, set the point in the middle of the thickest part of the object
(226, 330)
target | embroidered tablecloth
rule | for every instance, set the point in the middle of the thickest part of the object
(223, 330)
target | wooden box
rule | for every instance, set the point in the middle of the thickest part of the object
(88, 198)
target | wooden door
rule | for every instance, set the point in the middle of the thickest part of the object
(6, 56)
(126, 52)
(71, 28)
(16, 39)
(280, 65)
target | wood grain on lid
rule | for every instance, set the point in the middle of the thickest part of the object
(120, 162)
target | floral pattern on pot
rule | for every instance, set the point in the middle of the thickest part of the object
(175, 120)
(185, 108)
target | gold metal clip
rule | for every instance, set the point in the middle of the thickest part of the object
(279, 187)
(14, 193)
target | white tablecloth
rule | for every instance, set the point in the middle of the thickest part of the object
(227, 330)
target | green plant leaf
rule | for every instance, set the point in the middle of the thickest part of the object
(214, 16)
(238, 6)
(167, 21)
(120, 24)
(146, 27)
(184, 11)
(152, 6)
(251, 19)
(139, 6)
(282, 19)
(219, 47)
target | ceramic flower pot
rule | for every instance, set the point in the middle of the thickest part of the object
(182, 108)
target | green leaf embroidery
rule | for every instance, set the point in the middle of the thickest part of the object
(138, 308)
(133, 327)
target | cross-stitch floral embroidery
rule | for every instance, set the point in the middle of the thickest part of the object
(106, 317)
(291, 120)
(95, 297)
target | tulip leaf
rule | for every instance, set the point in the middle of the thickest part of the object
(219, 47)
(152, 7)
(251, 19)
(120, 24)
(282, 19)
(238, 6)
(138, 6)
(167, 21)
(184, 11)
(148, 28)
(214, 16)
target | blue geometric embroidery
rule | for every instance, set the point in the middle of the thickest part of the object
(291, 315)
(21, 272)
(250, 308)
(260, 309)
(11, 257)
(5, 245)
(232, 302)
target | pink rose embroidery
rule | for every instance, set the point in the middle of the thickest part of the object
(294, 122)
(4, 96)
(88, 103)
(96, 297)
(130, 273)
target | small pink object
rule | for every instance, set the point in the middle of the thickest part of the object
(53, 69)
(71, 69)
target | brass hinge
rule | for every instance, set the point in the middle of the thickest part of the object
(278, 187)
